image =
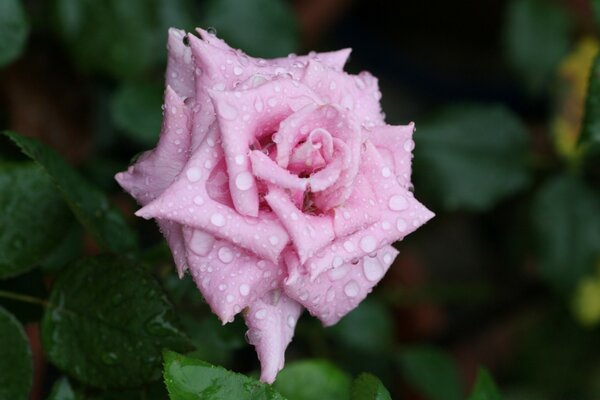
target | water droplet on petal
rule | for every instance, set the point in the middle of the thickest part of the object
(386, 172)
(218, 220)
(238, 71)
(398, 203)
(260, 314)
(368, 244)
(401, 225)
(409, 145)
(351, 289)
(198, 200)
(291, 321)
(372, 270)
(349, 246)
(193, 174)
(244, 289)
(243, 180)
(273, 240)
(225, 255)
(258, 105)
(239, 159)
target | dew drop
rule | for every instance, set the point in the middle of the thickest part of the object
(193, 174)
(398, 203)
(388, 258)
(198, 200)
(337, 261)
(218, 220)
(291, 321)
(260, 314)
(349, 246)
(386, 226)
(385, 172)
(368, 244)
(239, 159)
(243, 180)
(225, 254)
(372, 270)
(351, 289)
(401, 225)
(238, 71)
(244, 289)
(409, 145)
(230, 298)
(258, 105)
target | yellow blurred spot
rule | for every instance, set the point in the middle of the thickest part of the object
(573, 74)
(586, 302)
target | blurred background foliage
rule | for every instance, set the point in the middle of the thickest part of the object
(504, 282)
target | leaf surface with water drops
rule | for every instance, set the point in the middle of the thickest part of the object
(108, 323)
(190, 379)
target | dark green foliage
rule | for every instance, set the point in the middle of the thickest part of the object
(16, 369)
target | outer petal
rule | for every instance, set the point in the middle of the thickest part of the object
(157, 169)
(271, 321)
(229, 278)
(357, 93)
(401, 214)
(180, 68)
(395, 145)
(187, 202)
(336, 292)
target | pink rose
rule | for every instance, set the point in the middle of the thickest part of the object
(277, 184)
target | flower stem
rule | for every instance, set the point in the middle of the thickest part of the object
(24, 298)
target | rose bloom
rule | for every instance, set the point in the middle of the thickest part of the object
(277, 185)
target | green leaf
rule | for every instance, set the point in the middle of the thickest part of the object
(136, 109)
(485, 388)
(471, 157)
(62, 390)
(536, 38)
(369, 387)
(262, 28)
(431, 372)
(16, 370)
(69, 249)
(33, 217)
(369, 327)
(590, 130)
(313, 379)
(90, 206)
(189, 378)
(566, 221)
(108, 322)
(122, 38)
(14, 29)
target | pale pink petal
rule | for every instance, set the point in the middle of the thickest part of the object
(155, 170)
(358, 212)
(187, 202)
(395, 145)
(357, 93)
(271, 321)
(180, 66)
(245, 116)
(401, 214)
(229, 278)
(334, 293)
(309, 233)
(263, 167)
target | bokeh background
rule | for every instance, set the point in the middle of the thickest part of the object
(505, 277)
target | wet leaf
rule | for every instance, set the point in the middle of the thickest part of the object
(431, 372)
(313, 379)
(135, 109)
(471, 156)
(485, 388)
(90, 205)
(369, 387)
(262, 28)
(566, 221)
(537, 36)
(62, 390)
(14, 30)
(16, 370)
(189, 378)
(108, 323)
(33, 217)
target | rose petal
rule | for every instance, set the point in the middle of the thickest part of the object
(241, 122)
(395, 145)
(309, 233)
(271, 321)
(338, 291)
(157, 169)
(229, 278)
(359, 211)
(263, 167)
(187, 202)
(180, 66)
(357, 93)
